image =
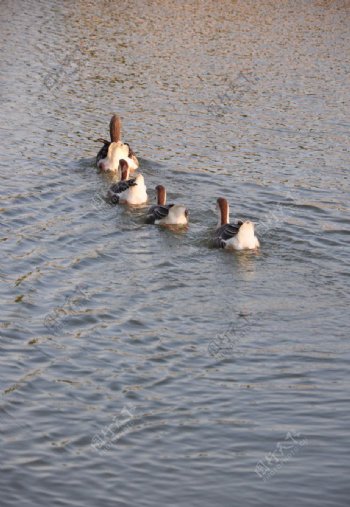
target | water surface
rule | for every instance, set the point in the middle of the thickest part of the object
(184, 366)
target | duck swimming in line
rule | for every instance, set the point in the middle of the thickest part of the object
(239, 236)
(166, 214)
(128, 190)
(114, 150)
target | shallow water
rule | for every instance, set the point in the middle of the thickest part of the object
(196, 364)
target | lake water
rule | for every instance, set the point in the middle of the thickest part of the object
(139, 367)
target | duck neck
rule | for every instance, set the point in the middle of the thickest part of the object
(223, 212)
(115, 128)
(161, 195)
(124, 170)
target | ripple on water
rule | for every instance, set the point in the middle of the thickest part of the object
(102, 312)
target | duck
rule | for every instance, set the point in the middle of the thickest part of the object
(238, 236)
(166, 214)
(113, 151)
(128, 190)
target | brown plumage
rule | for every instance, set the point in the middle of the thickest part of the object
(223, 205)
(161, 195)
(115, 128)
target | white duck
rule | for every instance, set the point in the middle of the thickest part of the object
(128, 190)
(239, 236)
(166, 214)
(113, 151)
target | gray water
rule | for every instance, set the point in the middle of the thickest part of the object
(139, 366)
